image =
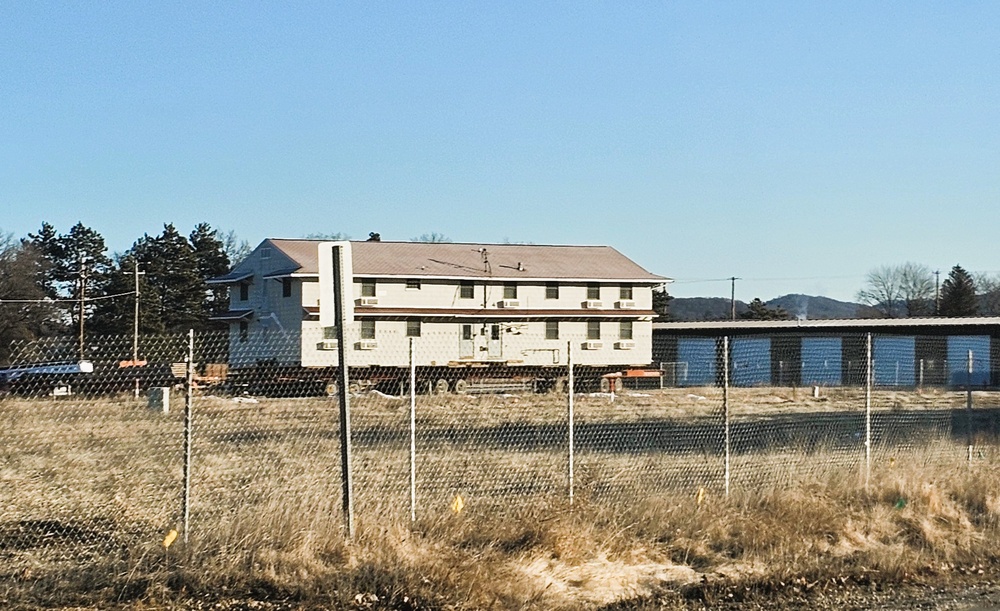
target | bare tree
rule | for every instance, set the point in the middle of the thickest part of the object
(235, 248)
(25, 313)
(337, 236)
(882, 291)
(989, 293)
(917, 285)
(431, 237)
(898, 291)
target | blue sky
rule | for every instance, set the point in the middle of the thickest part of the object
(796, 145)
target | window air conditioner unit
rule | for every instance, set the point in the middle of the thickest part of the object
(327, 344)
(592, 304)
(626, 304)
(626, 344)
(367, 344)
(593, 344)
(509, 303)
(368, 301)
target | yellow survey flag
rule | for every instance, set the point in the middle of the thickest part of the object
(170, 538)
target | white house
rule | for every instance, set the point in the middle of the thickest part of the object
(467, 304)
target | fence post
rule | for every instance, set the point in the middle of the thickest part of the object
(868, 408)
(725, 406)
(347, 495)
(413, 436)
(570, 415)
(968, 406)
(188, 425)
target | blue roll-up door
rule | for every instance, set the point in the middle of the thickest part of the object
(893, 360)
(958, 359)
(821, 358)
(696, 361)
(750, 362)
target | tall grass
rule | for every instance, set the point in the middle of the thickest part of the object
(94, 489)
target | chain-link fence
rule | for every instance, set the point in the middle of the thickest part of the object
(221, 444)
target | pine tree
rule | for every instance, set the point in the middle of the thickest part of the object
(661, 304)
(212, 261)
(77, 268)
(758, 310)
(46, 244)
(958, 294)
(117, 316)
(171, 269)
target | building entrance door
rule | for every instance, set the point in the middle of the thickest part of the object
(494, 347)
(466, 345)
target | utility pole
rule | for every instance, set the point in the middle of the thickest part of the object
(135, 328)
(135, 315)
(732, 297)
(937, 292)
(83, 299)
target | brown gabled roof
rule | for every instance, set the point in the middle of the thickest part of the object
(500, 261)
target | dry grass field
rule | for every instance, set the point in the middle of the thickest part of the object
(93, 487)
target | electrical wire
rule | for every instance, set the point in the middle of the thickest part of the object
(40, 301)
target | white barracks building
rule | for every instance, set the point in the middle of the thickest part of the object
(467, 303)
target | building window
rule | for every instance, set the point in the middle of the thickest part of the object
(625, 291)
(329, 332)
(265, 253)
(593, 329)
(510, 291)
(593, 291)
(467, 332)
(286, 287)
(367, 288)
(244, 291)
(244, 331)
(625, 329)
(466, 290)
(413, 284)
(367, 329)
(495, 332)
(551, 329)
(413, 328)
(552, 290)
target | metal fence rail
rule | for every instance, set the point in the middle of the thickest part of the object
(101, 470)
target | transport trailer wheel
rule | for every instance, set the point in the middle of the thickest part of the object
(560, 386)
(441, 387)
(461, 387)
(331, 389)
(611, 384)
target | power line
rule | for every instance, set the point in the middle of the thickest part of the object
(729, 279)
(77, 300)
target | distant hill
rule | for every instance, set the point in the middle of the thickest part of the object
(798, 306)
(703, 308)
(818, 308)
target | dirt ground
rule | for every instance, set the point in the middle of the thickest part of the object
(972, 593)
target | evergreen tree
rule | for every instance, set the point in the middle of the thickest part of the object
(46, 244)
(212, 260)
(172, 272)
(117, 316)
(958, 294)
(758, 310)
(661, 304)
(76, 269)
